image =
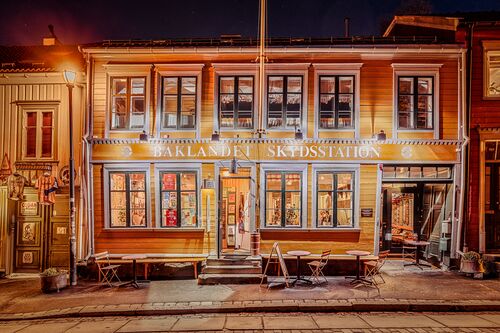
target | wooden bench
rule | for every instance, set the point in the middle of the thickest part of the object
(193, 259)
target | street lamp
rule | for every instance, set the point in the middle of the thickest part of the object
(70, 78)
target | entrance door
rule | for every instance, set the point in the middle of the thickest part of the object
(492, 208)
(235, 212)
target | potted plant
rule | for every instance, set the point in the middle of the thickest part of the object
(53, 279)
(470, 261)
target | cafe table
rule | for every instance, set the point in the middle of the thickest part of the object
(418, 244)
(134, 258)
(298, 254)
(358, 278)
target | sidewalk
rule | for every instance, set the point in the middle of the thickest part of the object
(404, 290)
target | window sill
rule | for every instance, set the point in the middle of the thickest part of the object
(317, 234)
(161, 230)
(415, 130)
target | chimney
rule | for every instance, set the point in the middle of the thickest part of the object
(346, 27)
(52, 39)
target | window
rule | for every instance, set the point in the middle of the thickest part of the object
(335, 204)
(283, 199)
(38, 134)
(492, 72)
(284, 101)
(179, 103)
(336, 101)
(178, 205)
(415, 102)
(236, 102)
(128, 103)
(127, 204)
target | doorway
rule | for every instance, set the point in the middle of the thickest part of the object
(492, 206)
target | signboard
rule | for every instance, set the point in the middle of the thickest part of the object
(29, 208)
(366, 212)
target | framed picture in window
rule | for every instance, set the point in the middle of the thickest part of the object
(231, 219)
(232, 197)
(232, 209)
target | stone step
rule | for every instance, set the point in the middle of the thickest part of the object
(230, 278)
(231, 262)
(232, 269)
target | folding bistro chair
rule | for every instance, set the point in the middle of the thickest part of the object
(372, 267)
(409, 252)
(317, 266)
(106, 270)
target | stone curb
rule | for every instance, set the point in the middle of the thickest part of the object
(351, 305)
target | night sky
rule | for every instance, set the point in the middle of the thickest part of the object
(25, 22)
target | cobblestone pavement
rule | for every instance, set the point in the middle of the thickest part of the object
(270, 322)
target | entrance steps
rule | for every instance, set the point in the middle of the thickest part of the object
(231, 269)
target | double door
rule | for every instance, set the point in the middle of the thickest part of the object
(492, 209)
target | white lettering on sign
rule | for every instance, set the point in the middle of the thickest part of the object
(362, 152)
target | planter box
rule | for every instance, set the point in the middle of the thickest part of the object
(53, 283)
(468, 266)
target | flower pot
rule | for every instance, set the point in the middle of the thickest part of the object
(468, 266)
(53, 283)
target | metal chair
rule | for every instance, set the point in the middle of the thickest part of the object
(106, 269)
(372, 267)
(409, 252)
(317, 266)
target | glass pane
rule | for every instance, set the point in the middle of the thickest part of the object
(325, 200)
(429, 172)
(46, 142)
(388, 172)
(292, 182)
(294, 84)
(137, 104)
(344, 217)
(327, 85)
(170, 85)
(345, 119)
(273, 207)
(120, 105)
(424, 119)
(188, 119)
(292, 208)
(138, 86)
(444, 172)
(169, 217)
(273, 181)
(137, 181)
(118, 218)
(415, 172)
(294, 102)
(188, 103)
(169, 120)
(245, 102)
(188, 200)
(227, 102)
(402, 172)
(245, 85)
(406, 85)
(344, 181)
(170, 200)
(31, 142)
(188, 181)
(118, 200)
(275, 84)
(346, 85)
(344, 200)
(493, 73)
(424, 103)
(120, 86)
(405, 103)
(325, 182)
(138, 217)
(188, 217)
(47, 119)
(325, 218)
(345, 103)
(405, 120)
(170, 104)
(137, 200)
(168, 182)
(188, 85)
(31, 119)
(327, 103)
(275, 102)
(137, 120)
(292, 119)
(425, 85)
(117, 182)
(227, 85)
(490, 150)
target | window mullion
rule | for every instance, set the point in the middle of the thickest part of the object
(179, 102)
(127, 197)
(336, 103)
(283, 198)
(334, 200)
(415, 102)
(178, 190)
(285, 100)
(236, 102)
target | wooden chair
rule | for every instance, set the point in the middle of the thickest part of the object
(372, 267)
(106, 269)
(317, 266)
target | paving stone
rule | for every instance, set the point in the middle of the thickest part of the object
(11, 328)
(463, 320)
(48, 327)
(491, 317)
(288, 322)
(149, 325)
(400, 320)
(340, 321)
(244, 323)
(102, 326)
(199, 324)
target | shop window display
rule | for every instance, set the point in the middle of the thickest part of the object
(335, 199)
(128, 199)
(283, 199)
(178, 199)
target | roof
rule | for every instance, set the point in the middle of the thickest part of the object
(38, 58)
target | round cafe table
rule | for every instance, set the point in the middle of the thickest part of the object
(418, 244)
(358, 254)
(134, 258)
(298, 254)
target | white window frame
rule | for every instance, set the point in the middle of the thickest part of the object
(288, 69)
(128, 167)
(179, 70)
(38, 107)
(404, 69)
(296, 167)
(121, 71)
(235, 69)
(489, 47)
(338, 69)
(355, 168)
(177, 167)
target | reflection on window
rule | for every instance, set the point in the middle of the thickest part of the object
(415, 102)
(493, 73)
(416, 172)
(38, 136)
(336, 101)
(335, 206)
(127, 192)
(179, 102)
(236, 101)
(283, 199)
(128, 102)
(284, 101)
(178, 199)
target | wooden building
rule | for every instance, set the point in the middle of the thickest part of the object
(357, 144)
(34, 140)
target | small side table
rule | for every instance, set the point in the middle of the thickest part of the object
(134, 258)
(299, 254)
(358, 278)
(418, 245)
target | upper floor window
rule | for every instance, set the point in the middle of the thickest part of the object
(179, 103)
(335, 205)
(127, 203)
(38, 134)
(128, 103)
(284, 101)
(236, 102)
(178, 205)
(415, 102)
(283, 199)
(336, 101)
(492, 71)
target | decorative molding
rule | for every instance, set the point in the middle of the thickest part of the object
(413, 66)
(337, 66)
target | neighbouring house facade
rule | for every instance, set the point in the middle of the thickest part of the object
(34, 148)
(341, 144)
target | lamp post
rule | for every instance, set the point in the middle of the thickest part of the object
(70, 78)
